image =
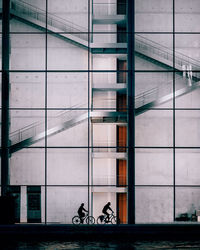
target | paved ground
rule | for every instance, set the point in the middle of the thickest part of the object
(139, 231)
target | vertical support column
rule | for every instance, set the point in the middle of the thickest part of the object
(5, 97)
(43, 204)
(131, 111)
(23, 204)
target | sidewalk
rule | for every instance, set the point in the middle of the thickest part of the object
(139, 231)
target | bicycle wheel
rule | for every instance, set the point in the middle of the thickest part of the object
(76, 220)
(100, 220)
(90, 220)
(114, 220)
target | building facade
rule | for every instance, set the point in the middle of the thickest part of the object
(103, 106)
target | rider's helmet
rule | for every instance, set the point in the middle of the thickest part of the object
(82, 204)
(109, 203)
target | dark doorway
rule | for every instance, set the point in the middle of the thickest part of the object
(15, 193)
(34, 204)
(121, 102)
(121, 71)
(121, 34)
(121, 7)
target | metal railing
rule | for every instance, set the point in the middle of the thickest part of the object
(153, 94)
(118, 180)
(30, 11)
(142, 44)
(105, 146)
(38, 127)
(149, 48)
(104, 9)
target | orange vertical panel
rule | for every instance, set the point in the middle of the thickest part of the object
(121, 172)
(121, 138)
(122, 207)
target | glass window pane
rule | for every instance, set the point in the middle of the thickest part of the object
(154, 167)
(27, 90)
(68, 16)
(27, 52)
(28, 16)
(153, 52)
(187, 166)
(187, 128)
(27, 167)
(67, 90)
(154, 89)
(63, 203)
(154, 204)
(26, 129)
(187, 201)
(187, 16)
(67, 128)
(67, 166)
(154, 15)
(149, 123)
(63, 54)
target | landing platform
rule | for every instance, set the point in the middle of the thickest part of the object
(101, 232)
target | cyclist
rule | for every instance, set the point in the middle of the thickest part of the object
(81, 211)
(105, 210)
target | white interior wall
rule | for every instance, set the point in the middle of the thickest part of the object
(99, 201)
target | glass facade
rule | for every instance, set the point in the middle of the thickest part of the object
(69, 78)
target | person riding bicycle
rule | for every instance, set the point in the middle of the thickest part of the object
(81, 212)
(105, 211)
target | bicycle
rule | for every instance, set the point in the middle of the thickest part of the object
(76, 220)
(102, 219)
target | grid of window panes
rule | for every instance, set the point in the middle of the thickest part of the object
(68, 109)
(49, 106)
(166, 136)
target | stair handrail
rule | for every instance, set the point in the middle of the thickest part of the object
(51, 18)
(143, 98)
(179, 57)
(34, 127)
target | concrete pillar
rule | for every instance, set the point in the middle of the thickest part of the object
(5, 97)
(43, 204)
(131, 111)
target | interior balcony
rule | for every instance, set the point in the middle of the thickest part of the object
(109, 19)
(108, 189)
(108, 155)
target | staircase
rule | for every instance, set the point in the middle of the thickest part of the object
(143, 102)
(144, 48)
(37, 17)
